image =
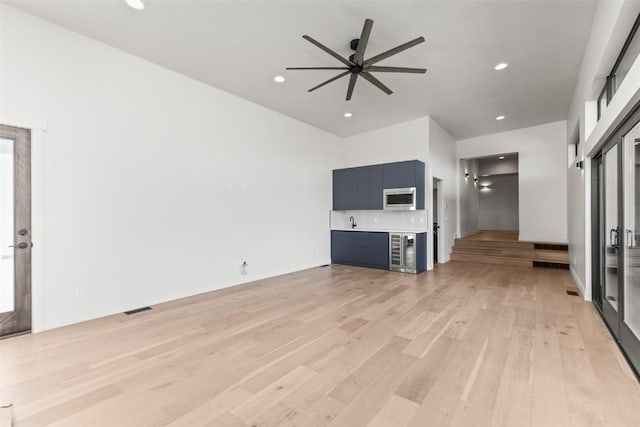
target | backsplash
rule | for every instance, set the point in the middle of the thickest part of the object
(380, 220)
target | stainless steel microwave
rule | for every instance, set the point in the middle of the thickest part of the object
(399, 199)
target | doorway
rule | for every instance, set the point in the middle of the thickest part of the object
(439, 220)
(489, 194)
(616, 236)
(15, 230)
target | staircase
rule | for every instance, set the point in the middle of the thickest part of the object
(502, 247)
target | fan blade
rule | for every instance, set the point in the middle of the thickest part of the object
(395, 69)
(352, 85)
(362, 43)
(329, 51)
(329, 81)
(317, 68)
(377, 83)
(393, 51)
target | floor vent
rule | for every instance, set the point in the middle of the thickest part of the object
(541, 264)
(574, 293)
(137, 310)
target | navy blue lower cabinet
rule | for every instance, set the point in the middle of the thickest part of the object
(360, 248)
(421, 252)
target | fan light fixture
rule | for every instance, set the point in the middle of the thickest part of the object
(357, 66)
(135, 4)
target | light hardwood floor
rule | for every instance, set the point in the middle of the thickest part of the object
(468, 345)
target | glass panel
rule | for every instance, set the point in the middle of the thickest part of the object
(602, 101)
(611, 226)
(632, 230)
(630, 55)
(6, 226)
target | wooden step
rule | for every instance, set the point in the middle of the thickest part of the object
(491, 260)
(468, 243)
(495, 248)
(495, 251)
(560, 257)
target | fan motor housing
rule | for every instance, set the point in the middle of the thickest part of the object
(354, 44)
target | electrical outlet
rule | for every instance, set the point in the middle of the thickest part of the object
(243, 267)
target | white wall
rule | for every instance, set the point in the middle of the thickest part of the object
(498, 202)
(612, 22)
(154, 185)
(442, 164)
(542, 153)
(469, 198)
(404, 141)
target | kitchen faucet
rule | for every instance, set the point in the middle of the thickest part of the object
(353, 222)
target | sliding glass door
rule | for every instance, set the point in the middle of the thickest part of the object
(630, 318)
(611, 237)
(616, 198)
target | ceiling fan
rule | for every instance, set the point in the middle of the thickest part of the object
(356, 65)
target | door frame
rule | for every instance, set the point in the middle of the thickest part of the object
(19, 320)
(439, 203)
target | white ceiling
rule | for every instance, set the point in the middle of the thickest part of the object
(239, 46)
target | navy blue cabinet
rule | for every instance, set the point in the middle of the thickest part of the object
(376, 186)
(421, 252)
(344, 189)
(360, 248)
(361, 188)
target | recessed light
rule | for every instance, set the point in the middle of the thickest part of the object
(347, 115)
(135, 4)
(278, 79)
(500, 118)
(501, 158)
(501, 66)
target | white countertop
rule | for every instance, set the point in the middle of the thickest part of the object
(377, 230)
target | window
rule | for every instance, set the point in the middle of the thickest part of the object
(628, 54)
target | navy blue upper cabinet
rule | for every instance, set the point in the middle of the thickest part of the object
(361, 188)
(345, 187)
(402, 174)
(377, 185)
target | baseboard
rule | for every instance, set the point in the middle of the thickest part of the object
(581, 287)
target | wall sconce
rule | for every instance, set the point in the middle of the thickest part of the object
(466, 174)
(579, 164)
